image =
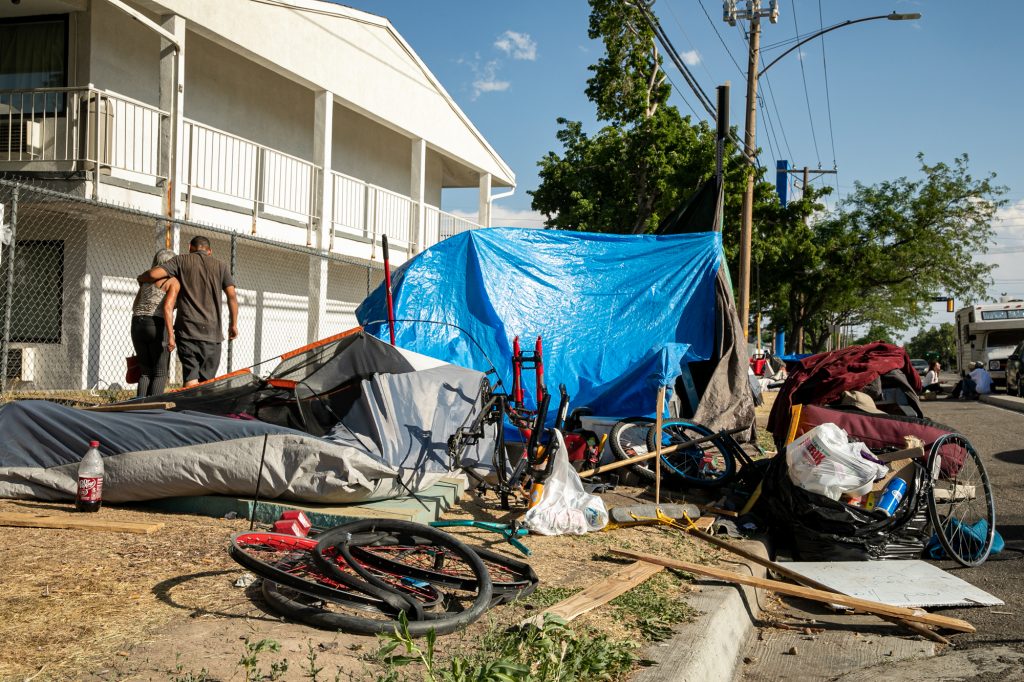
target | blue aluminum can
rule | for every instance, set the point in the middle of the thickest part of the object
(891, 497)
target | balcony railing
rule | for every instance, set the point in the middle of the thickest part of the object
(82, 129)
(79, 128)
(243, 172)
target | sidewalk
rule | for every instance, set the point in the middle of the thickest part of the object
(1004, 401)
(708, 648)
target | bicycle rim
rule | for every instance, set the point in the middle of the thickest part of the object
(289, 560)
(702, 465)
(474, 599)
(960, 502)
(628, 438)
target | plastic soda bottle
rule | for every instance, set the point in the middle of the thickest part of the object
(90, 480)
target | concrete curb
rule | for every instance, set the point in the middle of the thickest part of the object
(709, 647)
(1004, 401)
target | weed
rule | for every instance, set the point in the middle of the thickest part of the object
(654, 606)
(250, 660)
(552, 653)
(544, 597)
(179, 674)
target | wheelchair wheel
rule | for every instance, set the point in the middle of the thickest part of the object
(960, 503)
(701, 465)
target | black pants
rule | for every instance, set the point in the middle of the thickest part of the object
(199, 359)
(149, 337)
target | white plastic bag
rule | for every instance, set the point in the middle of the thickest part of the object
(564, 507)
(824, 461)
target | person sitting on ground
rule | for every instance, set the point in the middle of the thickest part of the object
(931, 378)
(199, 325)
(982, 379)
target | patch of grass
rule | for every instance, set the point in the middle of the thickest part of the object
(544, 597)
(654, 606)
(552, 653)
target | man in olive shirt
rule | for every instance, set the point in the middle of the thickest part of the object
(198, 326)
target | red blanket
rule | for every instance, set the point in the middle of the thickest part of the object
(822, 378)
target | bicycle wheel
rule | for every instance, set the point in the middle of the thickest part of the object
(628, 438)
(512, 579)
(960, 503)
(289, 560)
(701, 465)
(474, 599)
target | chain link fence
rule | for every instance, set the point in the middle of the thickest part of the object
(67, 284)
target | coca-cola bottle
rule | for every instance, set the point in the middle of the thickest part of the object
(90, 480)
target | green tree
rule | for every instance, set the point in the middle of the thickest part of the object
(885, 253)
(935, 343)
(647, 158)
(876, 332)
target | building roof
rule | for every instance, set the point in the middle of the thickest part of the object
(358, 56)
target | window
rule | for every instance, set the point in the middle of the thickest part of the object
(37, 309)
(1004, 338)
(34, 54)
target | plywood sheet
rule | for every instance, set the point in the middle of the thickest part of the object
(898, 583)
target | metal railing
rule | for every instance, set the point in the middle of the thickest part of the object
(79, 128)
(243, 171)
(442, 225)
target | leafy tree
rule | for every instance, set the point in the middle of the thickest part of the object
(647, 158)
(881, 257)
(935, 342)
(876, 332)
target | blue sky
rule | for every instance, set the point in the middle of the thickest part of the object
(943, 85)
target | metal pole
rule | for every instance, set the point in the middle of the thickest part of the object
(746, 227)
(9, 294)
(234, 271)
(722, 131)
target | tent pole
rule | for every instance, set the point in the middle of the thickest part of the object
(387, 288)
(657, 446)
(259, 478)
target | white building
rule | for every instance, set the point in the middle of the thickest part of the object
(302, 122)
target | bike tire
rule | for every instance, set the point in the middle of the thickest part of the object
(511, 579)
(628, 438)
(289, 560)
(302, 608)
(954, 503)
(368, 531)
(702, 465)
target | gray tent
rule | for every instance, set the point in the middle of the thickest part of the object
(347, 419)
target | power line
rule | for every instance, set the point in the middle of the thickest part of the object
(807, 95)
(824, 65)
(722, 40)
(778, 116)
(679, 25)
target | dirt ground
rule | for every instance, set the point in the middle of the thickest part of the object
(89, 605)
(94, 605)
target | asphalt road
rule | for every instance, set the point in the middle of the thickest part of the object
(998, 436)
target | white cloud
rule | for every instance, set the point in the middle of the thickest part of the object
(691, 57)
(487, 79)
(517, 45)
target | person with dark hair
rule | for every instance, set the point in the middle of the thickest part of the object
(199, 324)
(152, 319)
(931, 378)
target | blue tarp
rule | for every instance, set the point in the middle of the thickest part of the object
(617, 313)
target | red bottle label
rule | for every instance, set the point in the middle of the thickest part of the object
(90, 489)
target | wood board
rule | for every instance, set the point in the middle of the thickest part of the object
(128, 407)
(76, 522)
(601, 592)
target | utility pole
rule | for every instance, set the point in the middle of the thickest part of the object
(752, 13)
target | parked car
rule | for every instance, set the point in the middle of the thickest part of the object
(920, 365)
(1014, 372)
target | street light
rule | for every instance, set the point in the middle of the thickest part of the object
(754, 13)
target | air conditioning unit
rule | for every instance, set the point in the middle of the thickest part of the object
(21, 364)
(97, 124)
(20, 139)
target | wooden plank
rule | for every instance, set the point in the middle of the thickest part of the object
(129, 407)
(864, 605)
(657, 446)
(76, 522)
(599, 593)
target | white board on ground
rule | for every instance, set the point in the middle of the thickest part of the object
(911, 583)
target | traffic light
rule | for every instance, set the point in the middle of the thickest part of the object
(949, 305)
